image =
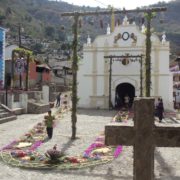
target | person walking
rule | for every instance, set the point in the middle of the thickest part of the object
(49, 119)
(58, 100)
(160, 109)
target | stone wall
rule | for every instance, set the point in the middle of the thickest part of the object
(36, 108)
(2, 98)
(114, 134)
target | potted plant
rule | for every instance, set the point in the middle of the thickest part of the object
(54, 154)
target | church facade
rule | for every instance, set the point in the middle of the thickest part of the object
(95, 84)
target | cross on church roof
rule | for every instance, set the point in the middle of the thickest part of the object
(144, 136)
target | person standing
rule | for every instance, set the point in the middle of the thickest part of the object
(49, 119)
(58, 100)
(126, 101)
(160, 109)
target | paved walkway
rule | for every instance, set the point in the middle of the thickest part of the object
(90, 124)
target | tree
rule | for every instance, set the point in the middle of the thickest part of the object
(49, 31)
(8, 11)
(2, 18)
(37, 47)
(149, 16)
(61, 34)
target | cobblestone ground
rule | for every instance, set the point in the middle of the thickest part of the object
(90, 124)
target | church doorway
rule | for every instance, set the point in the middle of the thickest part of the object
(122, 90)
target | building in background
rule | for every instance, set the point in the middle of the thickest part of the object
(39, 73)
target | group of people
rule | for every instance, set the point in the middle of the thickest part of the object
(122, 102)
(159, 107)
(49, 119)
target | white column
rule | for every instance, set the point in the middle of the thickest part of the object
(23, 98)
(10, 101)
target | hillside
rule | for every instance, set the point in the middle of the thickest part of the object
(42, 22)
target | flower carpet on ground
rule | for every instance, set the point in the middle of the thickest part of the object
(125, 115)
(122, 116)
(23, 152)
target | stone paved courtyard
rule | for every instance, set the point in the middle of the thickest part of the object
(90, 124)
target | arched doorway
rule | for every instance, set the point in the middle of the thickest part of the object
(122, 90)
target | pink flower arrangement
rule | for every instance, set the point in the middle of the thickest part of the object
(91, 148)
(117, 151)
(9, 146)
(35, 145)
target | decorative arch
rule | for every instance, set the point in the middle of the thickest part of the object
(124, 80)
(122, 90)
(122, 87)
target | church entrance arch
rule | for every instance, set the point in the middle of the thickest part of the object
(123, 90)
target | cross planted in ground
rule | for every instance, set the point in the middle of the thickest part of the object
(144, 136)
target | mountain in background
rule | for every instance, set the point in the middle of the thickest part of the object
(42, 21)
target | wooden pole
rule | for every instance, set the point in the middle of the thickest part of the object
(148, 56)
(27, 73)
(20, 81)
(141, 78)
(19, 34)
(12, 69)
(74, 72)
(6, 87)
(110, 77)
(112, 19)
(90, 13)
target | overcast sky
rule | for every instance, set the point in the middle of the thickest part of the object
(128, 4)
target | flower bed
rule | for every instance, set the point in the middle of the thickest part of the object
(97, 153)
(121, 116)
(23, 152)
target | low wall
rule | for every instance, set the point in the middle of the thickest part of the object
(36, 108)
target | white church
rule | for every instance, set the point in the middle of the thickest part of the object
(127, 77)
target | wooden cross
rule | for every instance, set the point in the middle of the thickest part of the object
(144, 136)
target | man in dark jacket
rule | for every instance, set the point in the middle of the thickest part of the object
(58, 100)
(160, 109)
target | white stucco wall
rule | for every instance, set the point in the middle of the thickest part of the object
(85, 82)
(8, 51)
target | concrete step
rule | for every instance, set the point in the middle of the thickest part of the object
(4, 114)
(2, 110)
(7, 119)
(18, 111)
